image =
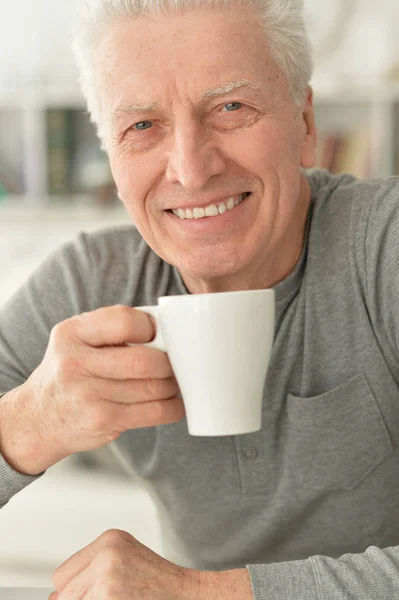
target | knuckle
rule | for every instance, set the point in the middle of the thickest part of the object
(114, 536)
(60, 342)
(59, 332)
(65, 368)
(122, 319)
(120, 308)
(124, 313)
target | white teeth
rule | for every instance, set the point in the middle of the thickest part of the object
(198, 213)
(212, 210)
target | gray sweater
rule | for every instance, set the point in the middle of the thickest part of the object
(310, 503)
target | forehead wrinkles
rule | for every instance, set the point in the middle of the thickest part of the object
(122, 59)
(182, 37)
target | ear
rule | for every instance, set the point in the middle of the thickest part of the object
(309, 142)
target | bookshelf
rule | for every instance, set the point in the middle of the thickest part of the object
(49, 153)
(358, 130)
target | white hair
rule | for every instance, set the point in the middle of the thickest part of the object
(283, 22)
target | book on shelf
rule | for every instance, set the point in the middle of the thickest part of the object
(76, 163)
(59, 131)
(346, 153)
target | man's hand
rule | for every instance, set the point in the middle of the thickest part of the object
(118, 567)
(89, 389)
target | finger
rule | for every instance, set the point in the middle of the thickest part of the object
(150, 414)
(74, 565)
(126, 362)
(80, 561)
(78, 587)
(53, 596)
(134, 391)
(114, 325)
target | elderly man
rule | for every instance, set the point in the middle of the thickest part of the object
(206, 114)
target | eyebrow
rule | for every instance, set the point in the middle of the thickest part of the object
(132, 108)
(230, 87)
(222, 90)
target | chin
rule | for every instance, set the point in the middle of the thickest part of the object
(209, 268)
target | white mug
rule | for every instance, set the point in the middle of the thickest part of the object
(219, 346)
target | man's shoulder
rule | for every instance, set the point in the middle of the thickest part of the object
(117, 246)
(122, 253)
(111, 265)
(349, 215)
(330, 189)
(344, 205)
(120, 245)
(116, 238)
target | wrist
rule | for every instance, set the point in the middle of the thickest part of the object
(219, 585)
(20, 442)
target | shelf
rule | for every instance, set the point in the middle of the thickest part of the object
(37, 145)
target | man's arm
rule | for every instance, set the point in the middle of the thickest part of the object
(52, 293)
(372, 575)
(11, 481)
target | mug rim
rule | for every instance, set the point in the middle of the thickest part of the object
(267, 291)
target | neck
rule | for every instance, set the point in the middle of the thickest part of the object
(271, 268)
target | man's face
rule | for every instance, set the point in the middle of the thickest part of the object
(182, 138)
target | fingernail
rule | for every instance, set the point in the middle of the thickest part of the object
(154, 326)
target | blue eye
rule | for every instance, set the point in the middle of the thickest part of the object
(142, 125)
(232, 106)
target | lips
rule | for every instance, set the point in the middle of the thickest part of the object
(210, 210)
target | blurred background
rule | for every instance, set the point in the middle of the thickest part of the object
(55, 181)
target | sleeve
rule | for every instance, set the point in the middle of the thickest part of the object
(380, 248)
(58, 289)
(11, 481)
(373, 574)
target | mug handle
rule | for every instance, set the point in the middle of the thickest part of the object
(158, 342)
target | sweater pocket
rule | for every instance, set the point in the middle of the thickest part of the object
(336, 439)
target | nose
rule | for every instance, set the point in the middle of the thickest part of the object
(193, 158)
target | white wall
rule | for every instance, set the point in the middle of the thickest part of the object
(34, 42)
(371, 45)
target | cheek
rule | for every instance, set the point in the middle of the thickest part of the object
(270, 148)
(124, 174)
(133, 179)
(284, 149)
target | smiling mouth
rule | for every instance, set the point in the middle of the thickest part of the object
(213, 210)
